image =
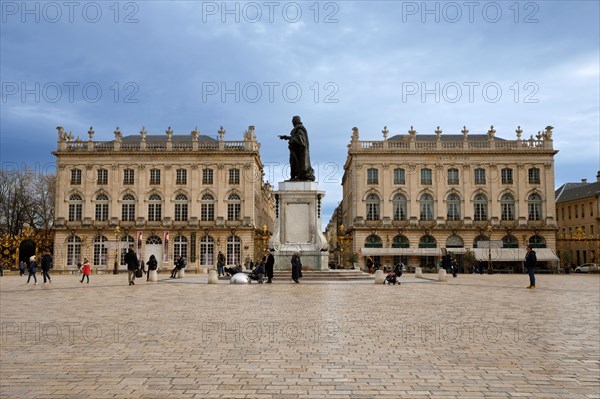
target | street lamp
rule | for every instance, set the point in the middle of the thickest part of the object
(116, 264)
(343, 240)
(264, 236)
(490, 268)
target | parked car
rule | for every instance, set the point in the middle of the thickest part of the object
(585, 268)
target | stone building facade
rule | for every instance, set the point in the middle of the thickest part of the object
(168, 195)
(578, 219)
(414, 197)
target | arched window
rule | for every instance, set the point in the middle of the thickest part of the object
(400, 241)
(207, 208)
(372, 207)
(153, 240)
(75, 207)
(507, 207)
(453, 205)
(454, 241)
(234, 250)
(73, 251)
(207, 250)
(101, 208)
(128, 208)
(534, 206)
(399, 204)
(154, 208)
(181, 208)
(100, 251)
(427, 241)
(537, 242)
(510, 241)
(480, 237)
(234, 207)
(180, 247)
(126, 241)
(373, 241)
(426, 207)
(480, 204)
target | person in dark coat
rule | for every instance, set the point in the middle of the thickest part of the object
(296, 267)
(221, 263)
(32, 270)
(46, 265)
(152, 265)
(269, 267)
(132, 264)
(22, 268)
(530, 262)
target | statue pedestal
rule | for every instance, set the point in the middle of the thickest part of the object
(298, 226)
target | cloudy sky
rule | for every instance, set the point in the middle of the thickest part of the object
(337, 64)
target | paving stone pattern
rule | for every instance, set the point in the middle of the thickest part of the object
(477, 336)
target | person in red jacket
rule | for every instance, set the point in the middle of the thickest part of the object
(86, 270)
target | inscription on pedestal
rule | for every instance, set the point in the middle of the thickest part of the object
(296, 219)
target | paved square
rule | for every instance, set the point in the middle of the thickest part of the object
(473, 337)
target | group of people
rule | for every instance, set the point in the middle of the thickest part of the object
(46, 265)
(263, 267)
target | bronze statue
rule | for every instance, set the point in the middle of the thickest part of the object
(300, 169)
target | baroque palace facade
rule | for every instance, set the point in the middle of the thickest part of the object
(414, 197)
(168, 195)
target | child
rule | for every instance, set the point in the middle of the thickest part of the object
(85, 270)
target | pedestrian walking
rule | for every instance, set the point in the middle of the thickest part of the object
(269, 266)
(32, 269)
(152, 265)
(22, 268)
(86, 269)
(296, 267)
(530, 262)
(221, 263)
(46, 266)
(132, 263)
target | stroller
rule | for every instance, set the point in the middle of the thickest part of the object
(392, 279)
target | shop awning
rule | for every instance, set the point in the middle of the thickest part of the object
(514, 254)
(400, 251)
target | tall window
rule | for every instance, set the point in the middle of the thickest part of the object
(128, 208)
(101, 208)
(128, 176)
(100, 251)
(372, 176)
(181, 208)
(453, 205)
(180, 247)
(480, 203)
(181, 176)
(234, 207)
(372, 207)
(426, 207)
(154, 208)
(537, 242)
(426, 176)
(75, 207)
(234, 176)
(453, 176)
(234, 250)
(399, 176)
(207, 208)
(507, 176)
(373, 241)
(507, 207)
(73, 250)
(534, 176)
(207, 250)
(427, 241)
(400, 241)
(207, 176)
(534, 206)
(75, 176)
(102, 176)
(510, 241)
(154, 176)
(479, 176)
(399, 204)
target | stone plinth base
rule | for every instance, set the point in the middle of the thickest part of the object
(181, 273)
(212, 277)
(442, 275)
(153, 276)
(311, 260)
(379, 277)
(418, 272)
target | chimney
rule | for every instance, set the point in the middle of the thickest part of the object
(584, 181)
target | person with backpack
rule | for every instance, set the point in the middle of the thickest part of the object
(46, 266)
(32, 269)
(86, 269)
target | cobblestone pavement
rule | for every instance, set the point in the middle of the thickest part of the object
(473, 337)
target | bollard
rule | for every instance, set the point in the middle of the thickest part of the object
(379, 277)
(212, 276)
(442, 275)
(153, 276)
(418, 272)
(181, 273)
